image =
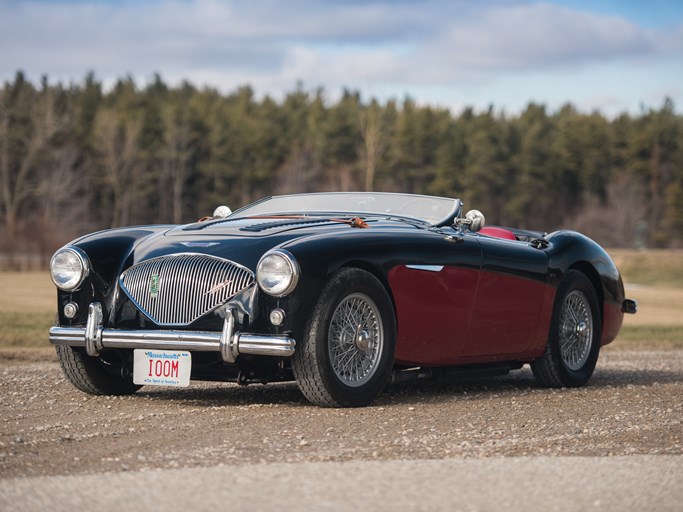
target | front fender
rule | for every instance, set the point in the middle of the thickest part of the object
(569, 249)
(109, 252)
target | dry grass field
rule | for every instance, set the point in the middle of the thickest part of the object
(654, 278)
(28, 302)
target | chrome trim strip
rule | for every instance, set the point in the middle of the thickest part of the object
(427, 268)
(199, 244)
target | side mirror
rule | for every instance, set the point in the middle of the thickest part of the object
(475, 220)
(222, 212)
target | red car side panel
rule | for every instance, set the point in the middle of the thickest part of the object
(538, 342)
(433, 312)
(506, 316)
(612, 319)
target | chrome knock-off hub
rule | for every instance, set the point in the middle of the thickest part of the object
(363, 340)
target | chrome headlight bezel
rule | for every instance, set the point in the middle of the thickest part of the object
(80, 274)
(285, 281)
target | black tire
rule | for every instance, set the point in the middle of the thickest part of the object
(109, 374)
(576, 324)
(319, 363)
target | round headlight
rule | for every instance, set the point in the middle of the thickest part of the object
(69, 268)
(277, 273)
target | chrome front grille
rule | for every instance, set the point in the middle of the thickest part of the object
(180, 288)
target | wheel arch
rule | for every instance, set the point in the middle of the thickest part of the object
(572, 250)
(321, 257)
(376, 272)
(594, 277)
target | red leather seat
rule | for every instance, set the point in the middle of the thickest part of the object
(498, 233)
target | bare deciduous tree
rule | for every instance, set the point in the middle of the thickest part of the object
(615, 222)
(298, 173)
(373, 140)
(176, 155)
(61, 188)
(117, 138)
(17, 165)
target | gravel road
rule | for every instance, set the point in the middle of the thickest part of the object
(630, 416)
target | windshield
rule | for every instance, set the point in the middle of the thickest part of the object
(427, 208)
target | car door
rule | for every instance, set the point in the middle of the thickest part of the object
(434, 294)
(510, 293)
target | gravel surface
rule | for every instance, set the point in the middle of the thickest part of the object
(633, 405)
(636, 482)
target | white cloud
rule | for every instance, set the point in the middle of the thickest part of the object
(362, 44)
(539, 35)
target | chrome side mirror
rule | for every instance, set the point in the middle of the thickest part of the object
(475, 220)
(222, 212)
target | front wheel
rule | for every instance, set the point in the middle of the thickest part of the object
(574, 340)
(107, 374)
(348, 349)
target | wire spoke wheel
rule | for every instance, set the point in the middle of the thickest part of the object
(355, 340)
(347, 352)
(576, 330)
(573, 343)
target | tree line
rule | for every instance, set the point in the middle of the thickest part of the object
(81, 157)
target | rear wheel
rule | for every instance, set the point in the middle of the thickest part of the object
(108, 374)
(574, 341)
(347, 352)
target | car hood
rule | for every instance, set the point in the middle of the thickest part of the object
(244, 241)
(260, 226)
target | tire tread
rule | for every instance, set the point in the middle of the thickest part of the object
(84, 373)
(307, 372)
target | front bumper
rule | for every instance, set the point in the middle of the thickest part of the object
(229, 343)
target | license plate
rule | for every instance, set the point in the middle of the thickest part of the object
(161, 367)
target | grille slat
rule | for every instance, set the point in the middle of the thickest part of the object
(181, 288)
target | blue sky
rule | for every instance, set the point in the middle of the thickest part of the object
(609, 55)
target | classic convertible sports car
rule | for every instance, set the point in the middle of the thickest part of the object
(341, 292)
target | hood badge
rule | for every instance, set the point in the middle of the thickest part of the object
(199, 244)
(154, 286)
(218, 287)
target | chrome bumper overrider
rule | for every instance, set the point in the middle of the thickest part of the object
(228, 342)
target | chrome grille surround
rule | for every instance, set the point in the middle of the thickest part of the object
(178, 289)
